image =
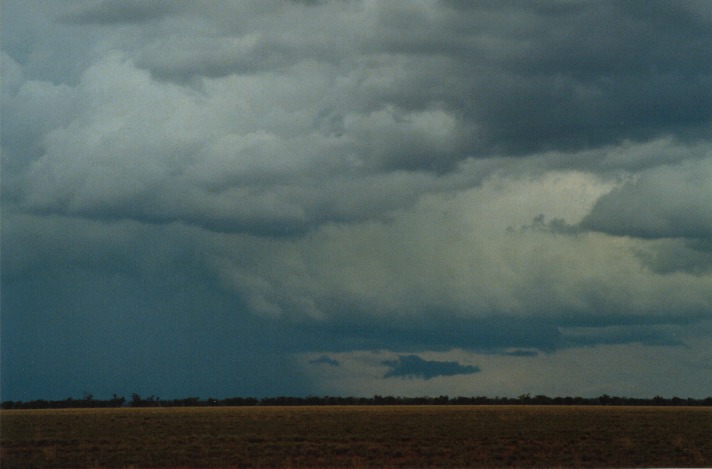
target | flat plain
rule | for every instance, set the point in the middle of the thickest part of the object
(360, 436)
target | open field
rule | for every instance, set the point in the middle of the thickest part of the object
(369, 436)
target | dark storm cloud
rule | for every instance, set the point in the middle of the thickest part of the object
(443, 332)
(123, 307)
(522, 77)
(412, 366)
(194, 193)
(529, 77)
(502, 333)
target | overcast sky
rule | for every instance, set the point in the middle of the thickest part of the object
(349, 197)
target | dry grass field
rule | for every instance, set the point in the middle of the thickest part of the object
(372, 436)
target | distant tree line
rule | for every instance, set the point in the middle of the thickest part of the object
(152, 401)
(87, 401)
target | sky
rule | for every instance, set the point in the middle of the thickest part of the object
(356, 197)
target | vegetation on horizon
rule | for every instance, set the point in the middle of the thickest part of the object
(136, 400)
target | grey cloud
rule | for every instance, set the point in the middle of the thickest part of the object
(664, 202)
(248, 38)
(280, 209)
(254, 181)
(424, 91)
(46, 50)
(630, 157)
(185, 60)
(647, 335)
(108, 12)
(580, 80)
(412, 366)
(666, 256)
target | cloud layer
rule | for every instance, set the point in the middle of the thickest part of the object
(307, 179)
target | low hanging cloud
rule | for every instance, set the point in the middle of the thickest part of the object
(325, 360)
(412, 366)
(670, 201)
(667, 256)
(521, 353)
